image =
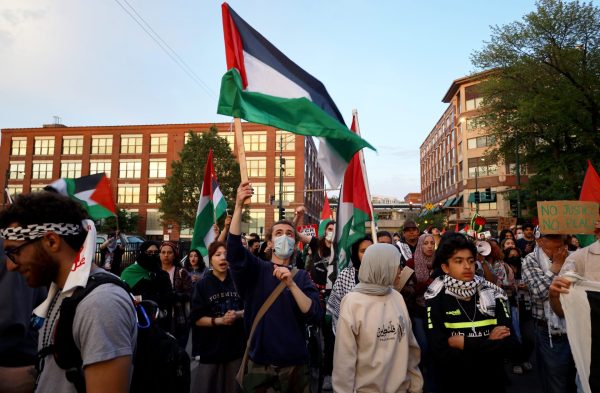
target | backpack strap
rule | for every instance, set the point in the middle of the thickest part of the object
(66, 353)
(261, 312)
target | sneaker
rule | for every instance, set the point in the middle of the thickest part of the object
(527, 366)
(327, 383)
(517, 370)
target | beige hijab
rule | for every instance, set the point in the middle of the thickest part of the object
(378, 269)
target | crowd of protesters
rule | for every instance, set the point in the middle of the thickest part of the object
(420, 310)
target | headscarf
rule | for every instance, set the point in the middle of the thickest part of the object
(423, 263)
(150, 263)
(378, 270)
(173, 247)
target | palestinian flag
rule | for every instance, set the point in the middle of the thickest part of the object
(92, 191)
(211, 207)
(264, 86)
(326, 217)
(354, 208)
(590, 192)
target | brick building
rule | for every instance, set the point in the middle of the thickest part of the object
(137, 159)
(453, 166)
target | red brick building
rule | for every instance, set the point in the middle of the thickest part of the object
(137, 159)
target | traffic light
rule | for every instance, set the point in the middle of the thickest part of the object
(282, 213)
(513, 208)
(271, 199)
(477, 197)
(488, 194)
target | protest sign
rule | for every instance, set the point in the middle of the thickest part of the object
(308, 230)
(567, 217)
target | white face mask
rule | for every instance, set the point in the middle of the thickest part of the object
(329, 236)
(283, 246)
(520, 236)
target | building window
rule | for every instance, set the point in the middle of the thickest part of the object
(481, 141)
(102, 144)
(257, 166)
(70, 169)
(128, 193)
(42, 170)
(131, 144)
(485, 206)
(289, 165)
(158, 143)
(100, 166)
(153, 222)
(479, 167)
(154, 190)
(13, 191)
(72, 145)
(289, 141)
(130, 169)
(255, 141)
(158, 169)
(511, 169)
(230, 136)
(37, 187)
(472, 98)
(288, 192)
(18, 146)
(256, 224)
(43, 146)
(16, 171)
(259, 193)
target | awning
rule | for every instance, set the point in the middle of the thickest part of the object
(449, 202)
(436, 209)
(423, 212)
(457, 201)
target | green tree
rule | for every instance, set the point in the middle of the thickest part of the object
(128, 222)
(179, 199)
(541, 97)
(437, 219)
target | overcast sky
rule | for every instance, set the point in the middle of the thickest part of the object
(88, 62)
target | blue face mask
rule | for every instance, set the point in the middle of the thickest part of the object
(284, 246)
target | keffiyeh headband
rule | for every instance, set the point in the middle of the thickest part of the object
(34, 231)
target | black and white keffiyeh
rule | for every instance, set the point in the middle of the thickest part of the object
(34, 231)
(486, 291)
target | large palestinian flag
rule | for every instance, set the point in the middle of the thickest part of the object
(92, 191)
(264, 86)
(354, 208)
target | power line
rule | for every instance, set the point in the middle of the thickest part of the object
(137, 18)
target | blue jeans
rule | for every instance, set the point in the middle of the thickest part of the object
(555, 364)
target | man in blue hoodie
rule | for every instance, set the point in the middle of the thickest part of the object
(278, 353)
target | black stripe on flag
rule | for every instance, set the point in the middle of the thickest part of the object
(87, 183)
(594, 301)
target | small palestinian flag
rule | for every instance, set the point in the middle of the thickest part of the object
(93, 192)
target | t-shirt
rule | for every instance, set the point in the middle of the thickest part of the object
(104, 328)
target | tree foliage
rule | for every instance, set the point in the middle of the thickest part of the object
(438, 220)
(128, 222)
(542, 96)
(179, 199)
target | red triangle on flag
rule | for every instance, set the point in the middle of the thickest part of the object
(102, 195)
(590, 190)
(326, 213)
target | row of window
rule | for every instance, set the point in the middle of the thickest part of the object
(101, 144)
(128, 169)
(257, 141)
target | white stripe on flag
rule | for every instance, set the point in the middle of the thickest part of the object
(266, 80)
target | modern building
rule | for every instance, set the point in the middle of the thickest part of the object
(137, 159)
(453, 163)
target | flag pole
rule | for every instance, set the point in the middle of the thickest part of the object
(241, 152)
(366, 179)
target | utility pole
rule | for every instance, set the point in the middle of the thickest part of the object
(6, 175)
(518, 175)
(281, 170)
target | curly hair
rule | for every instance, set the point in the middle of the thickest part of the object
(46, 207)
(450, 243)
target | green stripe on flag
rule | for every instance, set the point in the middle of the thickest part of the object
(202, 226)
(353, 231)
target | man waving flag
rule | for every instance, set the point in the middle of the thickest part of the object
(264, 86)
(211, 207)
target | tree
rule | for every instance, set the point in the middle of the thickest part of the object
(128, 222)
(179, 199)
(541, 99)
(437, 220)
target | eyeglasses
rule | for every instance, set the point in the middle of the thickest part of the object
(151, 252)
(12, 253)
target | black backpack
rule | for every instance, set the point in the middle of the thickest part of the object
(159, 364)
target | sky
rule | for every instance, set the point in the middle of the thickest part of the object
(91, 64)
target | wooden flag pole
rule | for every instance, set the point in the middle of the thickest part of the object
(241, 152)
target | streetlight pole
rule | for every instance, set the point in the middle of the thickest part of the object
(5, 195)
(518, 164)
(476, 190)
(281, 169)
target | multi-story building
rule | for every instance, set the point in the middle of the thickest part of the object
(453, 163)
(137, 159)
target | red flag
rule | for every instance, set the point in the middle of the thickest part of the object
(590, 190)
(326, 213)
(456, 227)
